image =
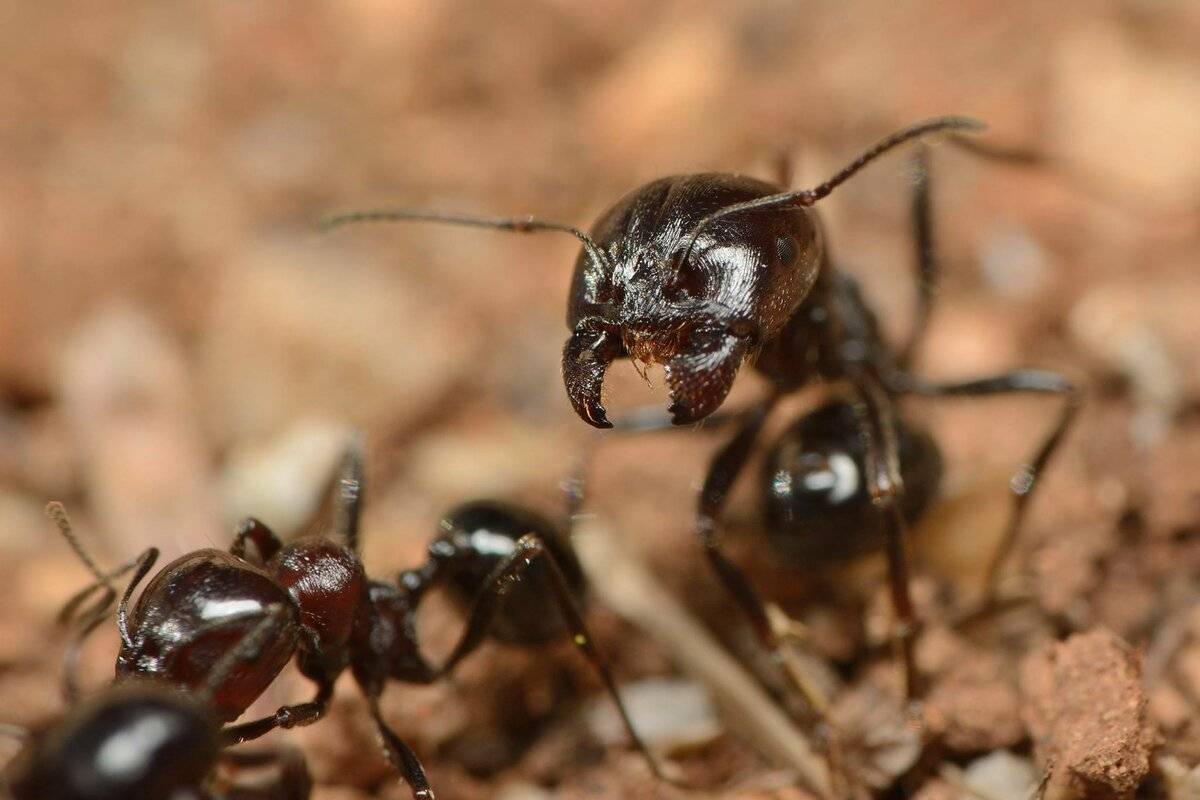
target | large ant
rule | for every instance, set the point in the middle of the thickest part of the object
(197, 609)
(143, 739)
(702, 272)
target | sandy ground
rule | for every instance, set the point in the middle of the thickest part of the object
(179, 348)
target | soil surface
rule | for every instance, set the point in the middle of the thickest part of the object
(180, 348)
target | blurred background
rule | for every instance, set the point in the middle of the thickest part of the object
(180, 347)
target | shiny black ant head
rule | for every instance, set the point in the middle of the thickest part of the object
(476, 537)
(697, 305)
(814, 487)
(136, 741)
(693, 272)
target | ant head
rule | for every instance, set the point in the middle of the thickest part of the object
(138, 740)
(697, 306)
(694, 272)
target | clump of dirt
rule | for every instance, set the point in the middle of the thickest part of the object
(1086, 713)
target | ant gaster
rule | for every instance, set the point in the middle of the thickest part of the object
(702, 272)
(199, 606)
(143, 739)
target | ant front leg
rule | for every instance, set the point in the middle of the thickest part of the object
(400, 755)
(1025, 480)
(490, 600)
(293, 716)
(885, 485)
(723, 472)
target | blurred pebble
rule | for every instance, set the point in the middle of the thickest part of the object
(1002, 776)
(129, 402)
(1126, 114)
(522, 791)
(1139, 329)
(280, 481)
(879, 740)
(1012, 262)
(1182, 781)
(280, 149)
(969, 337)
(669, 714)
(23, 526)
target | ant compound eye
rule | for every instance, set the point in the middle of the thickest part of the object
(785, 249)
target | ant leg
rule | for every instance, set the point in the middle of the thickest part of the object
(400, 755)
(264, 539)
(70, 658)
(1024, 481)
(249, 648)
(144, 563)
(488, 602)
(877, 426)
(723, 471)
(293, 716)
(338, 515)
(926, 254)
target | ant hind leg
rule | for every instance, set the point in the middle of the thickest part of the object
(1025, 480)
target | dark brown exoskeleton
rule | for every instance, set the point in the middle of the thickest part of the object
(813, 487)
(143, 739)
(315, 603)
(701, 273)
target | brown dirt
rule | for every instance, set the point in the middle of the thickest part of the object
(179, 348)
(1086, 713)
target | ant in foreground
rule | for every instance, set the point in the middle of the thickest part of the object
(196, 610)
(702, 272)
(142, 739)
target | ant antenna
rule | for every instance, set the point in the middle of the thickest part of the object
(808, 197)
(514, 224)
(58, 515)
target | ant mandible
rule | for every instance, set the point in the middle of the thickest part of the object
(703, 272)
(201, 605)
(147, 740)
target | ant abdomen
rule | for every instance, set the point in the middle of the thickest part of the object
(133, 741)
(475, 538)
(814, 486)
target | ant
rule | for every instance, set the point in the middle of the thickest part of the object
(195, 610)
(144, 739)
(703, 272)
